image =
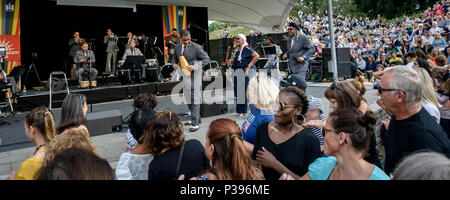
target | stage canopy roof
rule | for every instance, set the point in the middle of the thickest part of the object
(266, 16)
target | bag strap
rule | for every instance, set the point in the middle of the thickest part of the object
(179, 160)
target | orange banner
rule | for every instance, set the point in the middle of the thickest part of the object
(12, 45)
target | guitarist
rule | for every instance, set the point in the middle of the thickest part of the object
(193, 84)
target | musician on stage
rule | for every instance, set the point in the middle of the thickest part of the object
(132, 51)
(171, 41)
(111, 50)
(85, 60)
(4, 79)
(75, 45)
(193, 84)
(131, 37)
(299, 50)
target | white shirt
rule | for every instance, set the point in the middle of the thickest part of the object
(433, 110)
(133, 166)
(435, 30)
(428, 40)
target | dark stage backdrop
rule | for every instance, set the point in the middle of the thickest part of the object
(47, 28)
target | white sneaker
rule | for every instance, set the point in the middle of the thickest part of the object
(193, 128)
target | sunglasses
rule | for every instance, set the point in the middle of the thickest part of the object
(282, 106)
(335, 86)
(381, 90)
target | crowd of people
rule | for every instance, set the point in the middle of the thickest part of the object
(286, 135)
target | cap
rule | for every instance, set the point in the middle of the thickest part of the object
(295, 25)
(296, 80)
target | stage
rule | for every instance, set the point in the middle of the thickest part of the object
(107, 91)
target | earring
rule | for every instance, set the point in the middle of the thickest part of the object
(295, 123)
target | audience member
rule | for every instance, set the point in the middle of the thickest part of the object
(423, 166)
(429, 100)
(77, 138)
(134, 165)
(344, 95)
(40, 130)
(315, 107)
(347, 135)
(144, 100)
(229, 158)
(262, 91)
(411, 128)
(163, 138)
(278, 140)
(77, 164)
(73, 113)
(442, 89)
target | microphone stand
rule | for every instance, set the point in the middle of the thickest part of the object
(90, 68)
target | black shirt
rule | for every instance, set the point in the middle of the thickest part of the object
(295, 154)
(418, 132)
(193, 163)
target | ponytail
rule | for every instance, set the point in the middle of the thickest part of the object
(358, 125)
(230, 158)
(43, 120)
(50, 128)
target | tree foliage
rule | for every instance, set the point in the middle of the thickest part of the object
(370, 8)
(218, 26)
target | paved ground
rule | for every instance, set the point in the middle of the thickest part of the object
(16, 148)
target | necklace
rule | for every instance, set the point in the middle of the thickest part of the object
(37, 148)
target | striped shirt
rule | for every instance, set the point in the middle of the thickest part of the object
(315, 103)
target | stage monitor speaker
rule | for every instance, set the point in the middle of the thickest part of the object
(100, 123)
(342, 55)
(151, 74)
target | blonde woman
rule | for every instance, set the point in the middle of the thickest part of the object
(40, 130)
(429, 100)
(261, 92)
(77, 138)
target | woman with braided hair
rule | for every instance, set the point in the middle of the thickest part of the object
(283, 145)
(347, 135)
(40, 130)
(229, 158)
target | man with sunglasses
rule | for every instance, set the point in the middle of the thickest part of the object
(299, 49)
(411, 128)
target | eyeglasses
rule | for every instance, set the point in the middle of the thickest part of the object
(324, 132)
(290, 29)
(381, 90)
(281, 106)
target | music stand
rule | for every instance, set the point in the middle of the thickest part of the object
(130, 63)
(269, 50)
(17, 72)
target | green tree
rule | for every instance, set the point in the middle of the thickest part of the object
(218, 26)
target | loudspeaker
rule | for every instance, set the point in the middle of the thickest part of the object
(345, 69)
(151, 74)
(208, 110)
(100, 123)
(342, 54)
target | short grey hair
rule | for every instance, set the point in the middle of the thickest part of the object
(423, 166)
(406, 80)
